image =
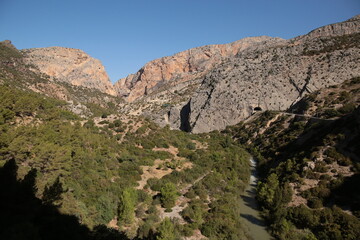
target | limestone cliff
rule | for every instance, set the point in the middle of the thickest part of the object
(182, 67)
(70, 65)
(274, 76)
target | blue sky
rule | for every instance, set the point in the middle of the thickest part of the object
(125, 34)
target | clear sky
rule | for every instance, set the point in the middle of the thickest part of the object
(125, 34)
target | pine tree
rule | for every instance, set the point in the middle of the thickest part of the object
(127, 206)
(168, 195)
(166, 230)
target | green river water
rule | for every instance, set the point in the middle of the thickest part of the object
(249, 209)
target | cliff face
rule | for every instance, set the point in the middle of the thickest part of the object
(275, 76)
(210, 87)
(182, 67)
(70, 65)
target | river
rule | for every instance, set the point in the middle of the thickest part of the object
(249, 208)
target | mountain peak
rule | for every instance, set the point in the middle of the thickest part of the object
(70, 65)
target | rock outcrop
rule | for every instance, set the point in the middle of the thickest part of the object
(70, 65)
(182, 67)
(274, 76)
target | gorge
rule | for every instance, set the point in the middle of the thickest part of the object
(164, 153)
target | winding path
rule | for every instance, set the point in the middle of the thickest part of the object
(309, 116)
(181, 203)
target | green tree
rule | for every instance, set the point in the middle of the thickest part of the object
(127, 206)
(194, 212)
(168, 195)
(267, 189)
(166, 230)
(6, 115)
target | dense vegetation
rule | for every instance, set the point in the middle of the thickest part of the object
(308, 165)
(90, 168)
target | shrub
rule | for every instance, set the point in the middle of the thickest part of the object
(315, 203)
(117, 123)
(330, 113)
(155, 184)
(347, 108)
(168, 195)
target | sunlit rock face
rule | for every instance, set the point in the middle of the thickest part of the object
(274, 75)
(181, 67)
(70, 65)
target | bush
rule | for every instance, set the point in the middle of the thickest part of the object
(330, 113)
(191, 146)
(168, 195)
(347, 108)
(315, 203)
(155, 184)
(117, 123)
(320, 167)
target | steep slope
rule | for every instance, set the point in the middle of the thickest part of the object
(309, 162)
(273, 77)
(181, 67)
(15, 71)
(71, 66)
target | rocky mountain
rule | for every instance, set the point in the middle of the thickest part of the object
(275, 76)
(70, 65)
(181, 67)
(208, 88)
(211, 87)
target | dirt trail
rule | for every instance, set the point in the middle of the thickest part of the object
(185, 189)
(171, 149)
(152, 172)
(309, 116)
(181, 203)
(274, 119)
(156, 171)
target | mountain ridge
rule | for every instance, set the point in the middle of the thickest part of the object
(263, 72)
(275, 78)
(180, 67)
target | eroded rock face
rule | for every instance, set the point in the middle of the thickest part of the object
(70, 65)
(274, 76)
(211, 87)
(181, 67)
